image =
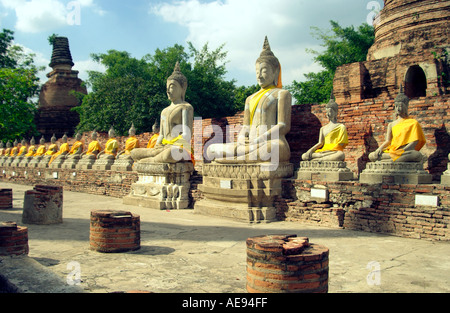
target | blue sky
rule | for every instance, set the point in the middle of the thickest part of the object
(141, 26)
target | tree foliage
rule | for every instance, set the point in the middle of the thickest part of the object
(342, 45)
(134, 90)
(19, 85)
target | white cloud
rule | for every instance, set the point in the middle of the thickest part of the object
(242, 26)
(35, 16)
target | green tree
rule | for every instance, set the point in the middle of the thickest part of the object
(19, 85)
(134, 90)
(344, 45)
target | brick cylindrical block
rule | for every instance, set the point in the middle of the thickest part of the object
(114, 231)
(13, 239)
(6, 199)
(286, 264)
(43, 205)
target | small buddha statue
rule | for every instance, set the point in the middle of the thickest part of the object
(154, 139)
(173, 144)
(333, 138)
(63, 150)
(94, 147)
(267, 120)
(2, 149)
(31, 148)
(15, 149)
(111, 147)
(23, 148)
(404, 136)
(7, 151)
(41, 149)
(77, 148)
(131, 144)
(53, 148)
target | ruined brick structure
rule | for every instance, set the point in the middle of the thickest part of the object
(54, 115)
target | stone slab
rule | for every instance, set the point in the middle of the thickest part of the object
(445, 180)
(389, 178)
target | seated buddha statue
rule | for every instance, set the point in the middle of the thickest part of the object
(333, 138)
(173, 144)
(111, 146)
(31, 149)
(41, 149)
(131, 144)
(2, 149)
(267, 120)
(23, 148)
(53, 148)
(154, 139)
(63, 150)
(93, 150)
(14, 149)
(404, 136)
(8, 149)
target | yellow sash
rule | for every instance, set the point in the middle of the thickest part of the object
(93, 146)
(336, 140)
(405, 132)
(254, 102)
(131, 144)
(51, 149)
(76, 146)
(152, 141)
(40, 151)
(111, 145)
(22, 151)
(31, 151)
(180, 142)
(64, 148)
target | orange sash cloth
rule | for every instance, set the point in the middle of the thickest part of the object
(64, 148)
(111, 146)
(40, 151)
(130, 144)
(93, 146)
(51, 150)
(76, 146)
(180, 142)
(152, 142)
(405, 132)
(22, 151)
(254, 102)
(336, 140)
(31, 151)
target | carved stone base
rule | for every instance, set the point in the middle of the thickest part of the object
(34, 163)
(103, 164)
(445, 178)
(8, 161)
(16, 161)
(332, 171)
(395, 173)
(122, 165)
(43, 163)
(85, 163)
(57, 163)
(161, 186)
(70, 163)
(242, 192)
(25, 161)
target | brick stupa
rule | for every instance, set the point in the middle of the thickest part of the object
(54, 115)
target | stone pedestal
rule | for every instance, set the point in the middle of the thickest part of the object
(25, 161)
(43, 206)
(161, 186)
(332, 171)
(123, 164)
(242, 192)
(57, 163)
(70, 163)
(103, 164)
(85, 163)
(445, 178)
(16, 161)
(8, 161)
(34, 163)
(395, 173)
(43, 163)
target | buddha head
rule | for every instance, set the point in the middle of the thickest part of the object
(78, 136)
(332, 109)
(42, 141)
(268, 68)
(1, 145)
(132, 131)
(53, 139)
(16, 143)
(155, 127)
(401, 104)
(176, 85)
(8, 145)
(94, 135)
(64, 138)
(111, 132)
(32, 141)
(23, 142)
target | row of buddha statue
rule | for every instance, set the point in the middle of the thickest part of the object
(260, 153)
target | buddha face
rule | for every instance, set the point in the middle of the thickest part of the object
(331, 114)
(265, 74)
(400, 108)
(175, 92)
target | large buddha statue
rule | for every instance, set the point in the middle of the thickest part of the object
(176, 126)
(267, 120)
(404, 136)
(333, 138)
